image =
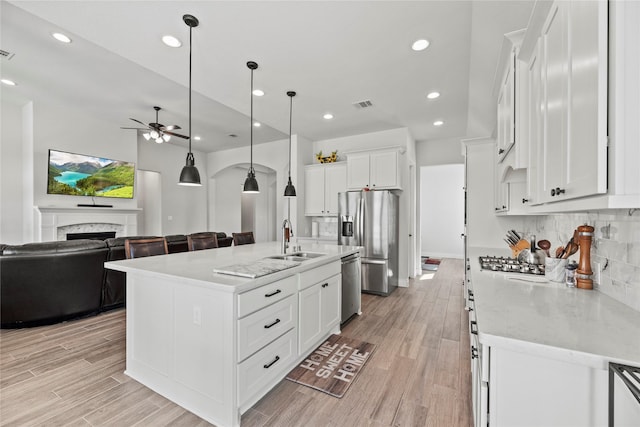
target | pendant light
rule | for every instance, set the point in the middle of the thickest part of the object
(251, 184)
(290, 190)
(190, 174)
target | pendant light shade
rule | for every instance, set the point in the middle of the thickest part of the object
(190, 175)
(290, 190)
(251, 184)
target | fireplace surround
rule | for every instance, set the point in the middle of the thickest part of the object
(53, 223)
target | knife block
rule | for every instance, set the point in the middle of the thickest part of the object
(583, 273)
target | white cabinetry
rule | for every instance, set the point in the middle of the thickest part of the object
(506, 109)
(323, 182)
(320, 305)
(573, 150)
(374, 170)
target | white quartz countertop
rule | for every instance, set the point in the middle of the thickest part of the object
(197, 267)
(549, 319)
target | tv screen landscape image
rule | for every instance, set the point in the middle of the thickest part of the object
(81, 175)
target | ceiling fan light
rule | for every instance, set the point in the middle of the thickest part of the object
(146, 136)
(154, 134)
(166, 137)
(159, 140)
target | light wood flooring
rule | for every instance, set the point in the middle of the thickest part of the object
(72, 373)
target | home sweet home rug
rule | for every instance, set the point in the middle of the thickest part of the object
(333, 366)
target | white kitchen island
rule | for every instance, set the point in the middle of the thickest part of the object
(216, 343)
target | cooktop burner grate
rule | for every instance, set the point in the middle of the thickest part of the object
(509, 265)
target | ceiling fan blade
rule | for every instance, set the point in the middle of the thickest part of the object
(171, 127)
(134, 128)
(138, 121)
(176, 134)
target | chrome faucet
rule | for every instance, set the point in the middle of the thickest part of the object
(287, 232)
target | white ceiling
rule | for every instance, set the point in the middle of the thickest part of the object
(333, 53)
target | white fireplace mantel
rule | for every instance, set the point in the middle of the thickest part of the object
(49, 219)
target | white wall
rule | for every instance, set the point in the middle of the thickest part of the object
(11, 174)
(184, 208)
(439, 152)
(442, 211)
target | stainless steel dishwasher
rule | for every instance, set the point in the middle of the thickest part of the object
(351, 286)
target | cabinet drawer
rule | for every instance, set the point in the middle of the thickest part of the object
(260, 328)
(256, 299)
(319, 274)
(262, 370)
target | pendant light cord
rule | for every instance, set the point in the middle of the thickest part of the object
(290, 119)
(251, 125)
(190, 46)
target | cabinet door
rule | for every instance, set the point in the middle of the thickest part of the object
(383, 172)
(335, 181)
(310, 318)
(506, 114)
(555, 78)
(585, 151)
(534, 89)
(331, 302)
(357, 171)
(314, 191)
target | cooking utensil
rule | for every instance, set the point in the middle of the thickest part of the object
(559, 251)
(545, 245)
(570, 249)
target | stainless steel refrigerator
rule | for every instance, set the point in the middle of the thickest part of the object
(370, 219)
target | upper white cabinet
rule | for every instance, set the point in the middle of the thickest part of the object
(506, 109)
(574, 101)
(323, 182)
(374, 170)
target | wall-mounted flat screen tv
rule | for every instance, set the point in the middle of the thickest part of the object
(82, 175)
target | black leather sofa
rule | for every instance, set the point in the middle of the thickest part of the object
(49, 282)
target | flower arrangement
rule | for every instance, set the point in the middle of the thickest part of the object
(327, 159)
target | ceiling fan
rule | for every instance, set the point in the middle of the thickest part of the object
(157, 131)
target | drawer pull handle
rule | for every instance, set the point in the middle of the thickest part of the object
(273, 324)
(473, 326)
(273, 293)
(325, 285)
(268, 365)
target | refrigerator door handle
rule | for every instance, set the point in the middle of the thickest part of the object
(361, 222)
(374, 261)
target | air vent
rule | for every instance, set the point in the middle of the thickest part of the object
(363, 104)
(5, 54)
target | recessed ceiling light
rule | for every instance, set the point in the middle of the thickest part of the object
(61, 37)
(256, 124)
(419, 45)
(433, 95)
(438, 123)
(8, 82)
(258, 92)
(171, 41)
(197, 138)
(328, 116)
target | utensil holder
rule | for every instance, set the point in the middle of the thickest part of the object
(554, 269)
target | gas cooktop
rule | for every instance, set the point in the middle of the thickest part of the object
(509, 265)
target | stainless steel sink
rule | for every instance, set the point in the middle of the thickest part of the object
(297, 256)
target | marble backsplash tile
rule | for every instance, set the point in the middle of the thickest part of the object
(615, 247)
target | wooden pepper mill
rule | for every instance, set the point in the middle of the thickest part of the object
(583, 273)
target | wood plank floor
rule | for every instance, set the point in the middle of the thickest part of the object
(72, 373)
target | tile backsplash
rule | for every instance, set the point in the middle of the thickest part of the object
(615, 247)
